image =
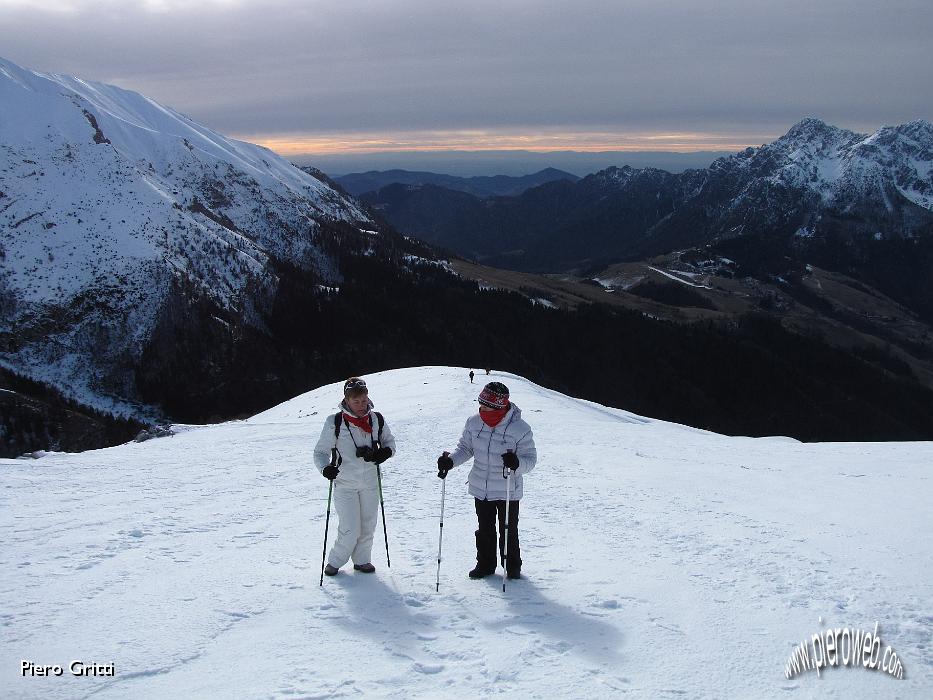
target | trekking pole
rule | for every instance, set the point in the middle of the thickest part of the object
(326, 526)
(508, 495)
(382, 503)
(440, 540)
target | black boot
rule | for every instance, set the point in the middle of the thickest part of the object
(485, 555)
(481, 571)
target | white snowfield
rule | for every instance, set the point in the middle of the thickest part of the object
(659, 561)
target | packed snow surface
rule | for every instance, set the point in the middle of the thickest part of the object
(659, 561)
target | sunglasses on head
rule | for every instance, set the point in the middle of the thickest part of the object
(359, 384)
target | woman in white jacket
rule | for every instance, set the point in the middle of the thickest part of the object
(499, 441)
(353, 443)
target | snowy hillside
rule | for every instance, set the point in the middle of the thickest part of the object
(660, 561)
(108, 200)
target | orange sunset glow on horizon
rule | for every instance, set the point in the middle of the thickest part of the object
(492, 140)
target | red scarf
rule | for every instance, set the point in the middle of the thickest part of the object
(493, 417)
(364, 423)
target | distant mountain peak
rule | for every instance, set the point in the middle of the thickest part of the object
(482, 186)
(810, 125)
(616, 173)
(918, 129)
(817, 132)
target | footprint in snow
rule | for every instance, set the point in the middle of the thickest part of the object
(427, 669)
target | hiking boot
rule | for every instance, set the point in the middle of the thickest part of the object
(365, 568)
(331, 570)
(481, 572)
(514, 573)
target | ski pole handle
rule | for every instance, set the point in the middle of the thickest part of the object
(506, 472)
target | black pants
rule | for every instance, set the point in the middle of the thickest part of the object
(486, 515)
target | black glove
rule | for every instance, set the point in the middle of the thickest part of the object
(510, 460)
(444, 465)
(330, 472)
(366, 452)
(381, 455)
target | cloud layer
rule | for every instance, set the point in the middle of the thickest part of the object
(739, 71)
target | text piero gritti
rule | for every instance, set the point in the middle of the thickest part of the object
(75, 668)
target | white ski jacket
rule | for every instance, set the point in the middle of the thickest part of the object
(353, 471)
(486, 446)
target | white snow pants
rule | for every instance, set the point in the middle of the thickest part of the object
(357, 510)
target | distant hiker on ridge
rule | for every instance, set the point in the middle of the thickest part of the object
(352, 445)
(471, 376)
(501, 445)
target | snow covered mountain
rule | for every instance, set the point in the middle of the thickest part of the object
(118, 215)
(659, 561)
(816, 181)
(153, 268)
(841, 165)
(821, 178)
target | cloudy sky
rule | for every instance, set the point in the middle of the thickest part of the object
(307, 76)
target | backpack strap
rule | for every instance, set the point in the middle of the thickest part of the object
(337, 421)
(335, 456)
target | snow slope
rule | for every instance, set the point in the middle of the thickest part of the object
(107, 199)
(661, 561)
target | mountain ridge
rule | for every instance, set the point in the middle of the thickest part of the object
(814, 191)
(117, 204)
(480, 186)
(515, 163)
(148, 276)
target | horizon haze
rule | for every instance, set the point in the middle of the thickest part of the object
(515, 163)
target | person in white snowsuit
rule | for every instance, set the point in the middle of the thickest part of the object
(500, 443)
(353, 443)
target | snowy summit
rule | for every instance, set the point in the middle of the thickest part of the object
(659, 561)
